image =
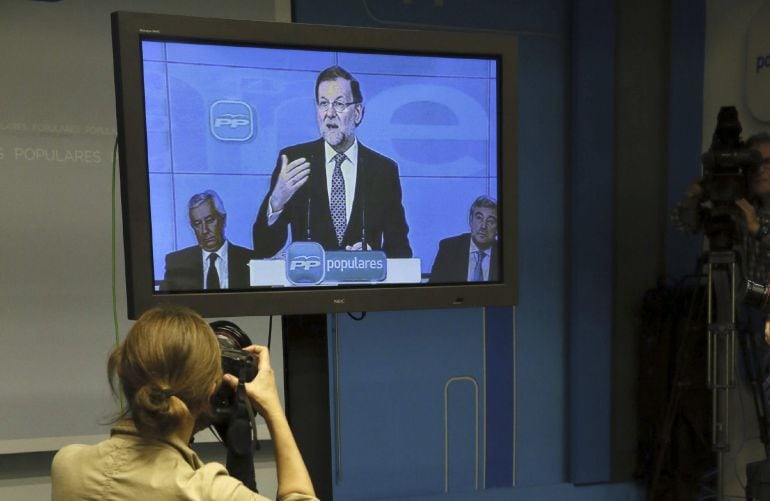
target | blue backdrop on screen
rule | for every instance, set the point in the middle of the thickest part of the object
(218, 115)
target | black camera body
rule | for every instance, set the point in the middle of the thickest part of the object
(236, 361)
(729, 162)
(728, 166)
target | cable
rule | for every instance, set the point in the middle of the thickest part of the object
(358, 318)
(269, 332)
(114, 259)
(445, 27)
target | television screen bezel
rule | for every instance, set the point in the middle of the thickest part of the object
(129, 29)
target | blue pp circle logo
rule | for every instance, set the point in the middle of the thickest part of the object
(305, 263)
(231, 120)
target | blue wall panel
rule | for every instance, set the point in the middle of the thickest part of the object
(408, 401)
(688, 24)
(526, 369)
(500, 397)
(541, 352)
(591, 240)
(554, 492)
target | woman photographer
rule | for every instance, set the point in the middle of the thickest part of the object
(167, 368)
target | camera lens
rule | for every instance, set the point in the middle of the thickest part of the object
(227, 342)
(235, 361)
(757, 296)
(230, 335)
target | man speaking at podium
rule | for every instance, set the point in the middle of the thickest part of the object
(334, 191)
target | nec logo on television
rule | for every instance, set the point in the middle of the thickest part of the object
(305, 263)
(231, 120)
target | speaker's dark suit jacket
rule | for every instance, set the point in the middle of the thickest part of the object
(451, 264)
(377, 201)
(184, 269)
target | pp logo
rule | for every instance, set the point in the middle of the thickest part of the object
(305, 263)
(231, 120)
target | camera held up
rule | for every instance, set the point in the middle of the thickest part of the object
(232, 413)
(235, 361)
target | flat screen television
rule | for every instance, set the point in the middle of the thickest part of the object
(279, 168)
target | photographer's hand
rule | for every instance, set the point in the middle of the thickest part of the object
(262, 390)
(750, 215)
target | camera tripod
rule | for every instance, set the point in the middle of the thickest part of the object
(723, 272)
(686, 431)
(721, 352)
(728, 167)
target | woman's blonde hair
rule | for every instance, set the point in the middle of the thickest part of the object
(165, 367)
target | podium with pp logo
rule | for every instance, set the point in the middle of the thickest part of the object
(307, 264)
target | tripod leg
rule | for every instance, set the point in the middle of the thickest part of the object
(721, 363)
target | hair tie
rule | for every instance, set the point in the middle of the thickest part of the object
(168, 393)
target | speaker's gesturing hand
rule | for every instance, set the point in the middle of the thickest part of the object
(292, 177)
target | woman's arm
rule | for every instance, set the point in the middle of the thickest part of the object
(293, 476)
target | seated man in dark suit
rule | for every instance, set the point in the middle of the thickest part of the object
(334, 190)
(214, 263)
(474, 256)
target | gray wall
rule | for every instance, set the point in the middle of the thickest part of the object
(57, 131)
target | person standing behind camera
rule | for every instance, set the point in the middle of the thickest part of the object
(168, 367)
(754, 226)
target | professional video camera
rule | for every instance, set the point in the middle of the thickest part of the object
(727, 168)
